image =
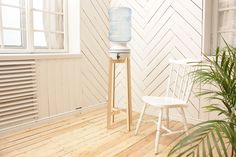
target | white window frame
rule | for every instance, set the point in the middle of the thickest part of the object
(21, 29)
(29, 46)
(210, 26)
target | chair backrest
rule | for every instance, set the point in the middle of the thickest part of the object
(180, 81)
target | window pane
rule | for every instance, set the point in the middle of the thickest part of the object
(56, 23)
(227, 3)
(48, 5)
(39, 4)
(51, 23)
(56, 6)
(229, 38)
(38, 20)
(227, 19)
(39, 39)
(12, 38)
(57, 41)
(11, 17)
(11, 2)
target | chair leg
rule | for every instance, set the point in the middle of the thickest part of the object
(167, 118)
(140, 119)
(184, 120)
(158, 133)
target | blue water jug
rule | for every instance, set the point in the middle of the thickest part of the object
(120, 24)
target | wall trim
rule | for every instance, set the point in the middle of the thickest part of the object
(84, 110)
(29, 125)
(40, 56)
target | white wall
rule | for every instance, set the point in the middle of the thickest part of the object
(94, 46)
(59, 86)
(74, 26)
(162, 29)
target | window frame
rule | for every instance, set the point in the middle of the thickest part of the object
(210, 26)
(29, 31)
(22, 28)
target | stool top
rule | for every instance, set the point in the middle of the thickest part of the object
(119, 56)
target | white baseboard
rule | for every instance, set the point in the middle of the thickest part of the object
(26, 126)
(83, 110)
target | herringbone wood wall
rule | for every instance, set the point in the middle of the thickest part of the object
(94, 46)
(161, 29)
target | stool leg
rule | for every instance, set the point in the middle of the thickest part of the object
(113, 90)
(184, 120)
(158, 133)
(167, 118)
(110, 94)
(129, 105)
(140, 119)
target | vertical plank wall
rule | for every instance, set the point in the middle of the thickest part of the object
(59, 86)
(161, 29)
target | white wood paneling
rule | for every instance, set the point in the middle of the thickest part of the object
(33, 89)
(94, 46)
(59, 86)
(74, 26)
(161, 29)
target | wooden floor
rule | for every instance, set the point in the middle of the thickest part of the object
(85, 135)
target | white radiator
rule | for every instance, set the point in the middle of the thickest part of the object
(18, 100)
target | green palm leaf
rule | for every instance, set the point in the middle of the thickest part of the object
(213, 136)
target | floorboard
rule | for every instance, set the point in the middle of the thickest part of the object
(85, 135)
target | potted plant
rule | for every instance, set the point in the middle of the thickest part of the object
(214, 136)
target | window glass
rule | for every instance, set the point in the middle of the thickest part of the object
(59, 38)
(11, 17)
(45, 28)
(229, 37)
(11, 2)
(226, 22)
(56, 23)
(40, 39)
(56, 6)
(38, 20)
(50, 21)
(227, 19)
(226, 3)
(38, 4)
(12, 38)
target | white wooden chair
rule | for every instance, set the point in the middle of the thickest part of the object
(179, 88)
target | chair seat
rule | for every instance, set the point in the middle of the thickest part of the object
(164, 101)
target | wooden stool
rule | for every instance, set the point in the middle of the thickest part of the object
(111, 109)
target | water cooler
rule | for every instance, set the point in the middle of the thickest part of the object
(119, 53)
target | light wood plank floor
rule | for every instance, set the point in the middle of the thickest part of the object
(85, 135)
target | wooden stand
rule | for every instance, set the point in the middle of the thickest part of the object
(111, 110)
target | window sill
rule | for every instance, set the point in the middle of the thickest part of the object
(39, 56)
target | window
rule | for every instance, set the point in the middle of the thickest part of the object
(226, 22)
(33, 25)
(48, 28)
(220, 21)
(12, 25)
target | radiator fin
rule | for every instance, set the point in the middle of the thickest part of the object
(18, 100)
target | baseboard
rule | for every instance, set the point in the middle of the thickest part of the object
(25, 126)
(83, 110)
